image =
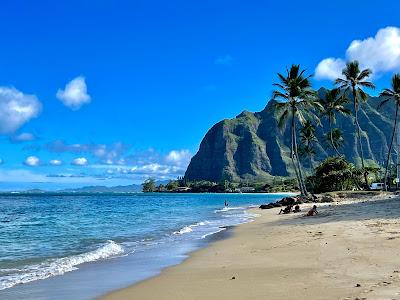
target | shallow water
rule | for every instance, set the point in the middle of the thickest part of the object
(118, 239)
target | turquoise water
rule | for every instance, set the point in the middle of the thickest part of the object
(44, 236)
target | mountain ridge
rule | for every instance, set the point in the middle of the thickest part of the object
(251, 147)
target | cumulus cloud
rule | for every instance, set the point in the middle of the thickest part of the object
(16, 108)
(55, 162)
(80, 161)
(179, 157)
(159, 171)
(109, 154)
(74, 94)
(330, 68)
(380, 53)
(147, 164)
(226, 60)
(22, 137)
(32, 161)
(117, 161)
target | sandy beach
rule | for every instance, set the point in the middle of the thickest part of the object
(350, 250)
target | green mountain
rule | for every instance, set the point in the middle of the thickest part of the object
(251, 147)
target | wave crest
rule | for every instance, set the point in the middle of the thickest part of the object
(60, 266)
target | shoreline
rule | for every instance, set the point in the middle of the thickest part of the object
(197, 227)
(348, 250)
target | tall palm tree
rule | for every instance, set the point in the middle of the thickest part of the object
(308, 138)
(335, 138)
(393, 95)
(298, 101)
(354, 80)
(333, 103)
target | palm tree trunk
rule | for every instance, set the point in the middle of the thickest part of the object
(298, 161)
(391, 146)
(331, 137)
(292, 154)
(358, 130)
(311, 164)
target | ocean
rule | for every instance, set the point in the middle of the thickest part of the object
(83, 246)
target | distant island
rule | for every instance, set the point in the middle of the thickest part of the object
(133, 188)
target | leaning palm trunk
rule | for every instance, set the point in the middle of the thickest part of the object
(295, 159)
(358, 130)
(391, 146)
(331, 137)
(298, 163)
(293, 154)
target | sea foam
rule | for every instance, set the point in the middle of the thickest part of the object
(59, 266)
(189, 228)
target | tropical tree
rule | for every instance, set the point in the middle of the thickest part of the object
(335, 173)
(333, 103)
(392, 95)
(335, 139)
(149, 185)
(354, 80)
(308, 138)
(298, 103)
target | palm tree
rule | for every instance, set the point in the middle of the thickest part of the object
(333, 102)
(307, 136)
(335, 138)
(354, 81)
(392, 94)
(298, 101)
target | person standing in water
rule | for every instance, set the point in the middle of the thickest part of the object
(226, 203)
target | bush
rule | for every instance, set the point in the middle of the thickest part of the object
(335, 174)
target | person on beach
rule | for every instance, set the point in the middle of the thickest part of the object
(286, 210)
(297, 209)
(312, 212)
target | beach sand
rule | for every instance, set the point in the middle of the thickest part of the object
(351, 250)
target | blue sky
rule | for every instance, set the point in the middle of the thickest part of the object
(116, 91)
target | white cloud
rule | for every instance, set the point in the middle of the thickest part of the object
(226, 60)
(75, 93)
(381, 53)
(55, 162)
(22, 137)
(16, 108)
(179, 157)
(80, 161)
(108, 154)
(32, 161)
(330, 68)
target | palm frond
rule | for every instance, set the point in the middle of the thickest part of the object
(282, 120)
(367, 84)
(383, 102)
(364, 74)
(279, 95)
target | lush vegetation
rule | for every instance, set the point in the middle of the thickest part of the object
(299, 104)
(203, 186)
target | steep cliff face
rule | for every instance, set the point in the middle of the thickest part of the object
(251, 146)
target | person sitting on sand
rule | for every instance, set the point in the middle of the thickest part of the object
(312, 212)
(297, 209)
(286, 210)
